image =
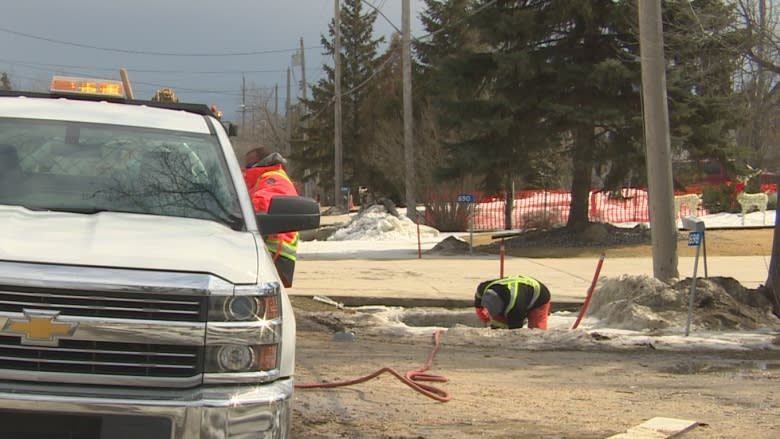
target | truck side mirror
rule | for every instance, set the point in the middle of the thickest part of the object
(289, 214)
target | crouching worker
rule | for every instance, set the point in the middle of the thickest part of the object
(507, 302)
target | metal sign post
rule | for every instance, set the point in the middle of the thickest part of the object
(471, 229)
(345, 191)
(695, 238)
(469, 199)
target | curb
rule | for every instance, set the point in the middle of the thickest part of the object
(427, 303)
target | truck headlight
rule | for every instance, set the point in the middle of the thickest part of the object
(235, 358)
(241, 358)
(243, 308)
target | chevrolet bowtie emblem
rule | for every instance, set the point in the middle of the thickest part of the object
(40, 328)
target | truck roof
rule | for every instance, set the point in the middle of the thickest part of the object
(200, 109)
(147, 114)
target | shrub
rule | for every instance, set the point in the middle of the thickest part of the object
(447, 216)
(753, 186)
(722, 198)
(542, 219)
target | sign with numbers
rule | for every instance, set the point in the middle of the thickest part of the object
(466, 198)
(694, 239)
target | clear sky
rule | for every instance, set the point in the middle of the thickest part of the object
(208, 45)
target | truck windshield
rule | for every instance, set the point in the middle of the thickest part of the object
(89, 168)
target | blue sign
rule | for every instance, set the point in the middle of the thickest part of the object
(466, 198)
(344, 188)
(694, 239)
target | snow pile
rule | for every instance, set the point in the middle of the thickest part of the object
(376, 224)
(645, 303)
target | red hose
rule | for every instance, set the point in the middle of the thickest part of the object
(590, 293)
(411, 378)
(501, 256)
(419, 245)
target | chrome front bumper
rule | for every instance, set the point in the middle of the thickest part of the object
(223, 412)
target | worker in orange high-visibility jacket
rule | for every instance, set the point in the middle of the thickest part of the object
(265, 177)
(506, 303)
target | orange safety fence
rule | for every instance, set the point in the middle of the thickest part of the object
(629, 205)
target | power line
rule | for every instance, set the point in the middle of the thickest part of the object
(355, 88)
(378, 10)
(150, 53)
(443, 28)
(134, 70)
(474, 12)
(150, 84)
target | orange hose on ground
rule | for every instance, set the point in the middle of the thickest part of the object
(501, 256)
(412, 378)
(419, 244)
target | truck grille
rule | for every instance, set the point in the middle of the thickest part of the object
(103, 358)
(116, 305)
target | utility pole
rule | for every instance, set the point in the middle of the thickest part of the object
(303, 72)
(288, 115)
(663, 223)
(307, 186)
(243, 101)
(406, 55)
(338, 180)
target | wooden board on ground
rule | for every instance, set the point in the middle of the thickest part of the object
(657, 428)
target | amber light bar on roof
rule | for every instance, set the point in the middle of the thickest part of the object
(87, 86)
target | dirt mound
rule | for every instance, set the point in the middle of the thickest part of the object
(452, 245)
(595, 235)
(642, 303)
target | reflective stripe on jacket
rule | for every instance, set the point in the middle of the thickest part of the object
(287, 249)
(499, 324)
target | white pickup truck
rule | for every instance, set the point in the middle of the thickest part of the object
(137, 299)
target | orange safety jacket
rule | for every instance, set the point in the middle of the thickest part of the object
(265, 182)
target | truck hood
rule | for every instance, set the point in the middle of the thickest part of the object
(120, 240)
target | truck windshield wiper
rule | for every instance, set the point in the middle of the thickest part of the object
(74, 209)
(235, 222)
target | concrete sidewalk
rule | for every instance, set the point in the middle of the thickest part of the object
(451, 281)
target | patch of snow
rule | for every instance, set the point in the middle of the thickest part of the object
(375, 224)
(592, 334)
(724, 220)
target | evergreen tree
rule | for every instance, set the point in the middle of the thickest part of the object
(546, 75)
(382, 122)
(359, 62)
(477, 79)
(593, 87)
(705, 105)
(312, 146)
(446, 33)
